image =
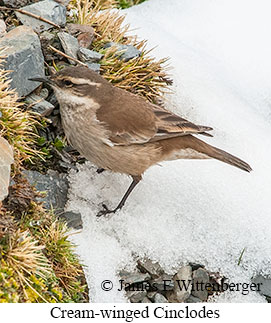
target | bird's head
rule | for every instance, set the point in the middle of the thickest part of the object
(75, 84)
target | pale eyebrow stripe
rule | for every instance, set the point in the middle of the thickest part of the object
(83, 81)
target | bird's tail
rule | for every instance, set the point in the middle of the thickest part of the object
(228, 158)
(198, 149)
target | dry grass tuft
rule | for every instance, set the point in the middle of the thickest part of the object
(25, 255)
(16, 125)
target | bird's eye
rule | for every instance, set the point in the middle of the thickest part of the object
(67, 82)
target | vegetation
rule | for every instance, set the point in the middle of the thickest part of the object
(142, 75)
(18, 126)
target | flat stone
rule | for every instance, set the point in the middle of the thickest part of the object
(85, 34)
(200, 276)
(24, 57)
(136, 296)
(48, 9)
(127, 51)
(70, 45)
(163, 283)
(153, 268)
(73, 219)
(6, 159)
(265, 285)
(193, 299)
(146, 300)
(134, 278)
(42, 107)
(94, 66)
(159, 298)
(54, 184)
(87, 55)
(184, 276)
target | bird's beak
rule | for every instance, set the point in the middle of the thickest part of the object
(45, 80)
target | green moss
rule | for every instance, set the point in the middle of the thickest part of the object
(123, 4)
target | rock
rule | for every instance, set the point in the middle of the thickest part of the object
(70, 45)
(146, 300)
(85, 40)
(201, 277)
(42, 107)
(163, 283)
(6, 159)
(47, 9)
(127, 51)
(86, 34)
(24, 57)
(159, 298)
(134, 278)
(54, 184)
(265, 286)
(195, 266)
(94, 66)
(73, 219)
(2, 28)
(87, 55)
(136, 296)
(63, 2)
(151, 295)
(153, 268)
(183, 276)
(16, 3)
(193, 299)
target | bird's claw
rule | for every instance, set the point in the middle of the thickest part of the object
(105, 211)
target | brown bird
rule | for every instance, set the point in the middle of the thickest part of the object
(121, 132)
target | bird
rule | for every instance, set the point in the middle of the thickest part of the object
(122, 132)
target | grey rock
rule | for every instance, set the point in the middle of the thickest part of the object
(46, 35)
(200, 276)
(73, 219)
(136, 296)
(159, 298)
(146, 300)
(44, 93)
(2, 28)
(265, 285)
(180, 295)
(153, 268)
(94, 66)
(54, 184)
(70, 45)
(6, 159)
(126, 52)
(87, 55)
(24, 57)
(47, 9)
(163, 283)
(134, 278)
(151, 295)
(42, 107)
(193, 299)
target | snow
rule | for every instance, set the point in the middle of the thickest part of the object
(193, 211)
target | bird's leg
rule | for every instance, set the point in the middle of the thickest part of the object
(100, 170)
(136, 180)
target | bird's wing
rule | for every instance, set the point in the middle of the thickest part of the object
(135, 121)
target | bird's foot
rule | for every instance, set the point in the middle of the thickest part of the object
(106, 211)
